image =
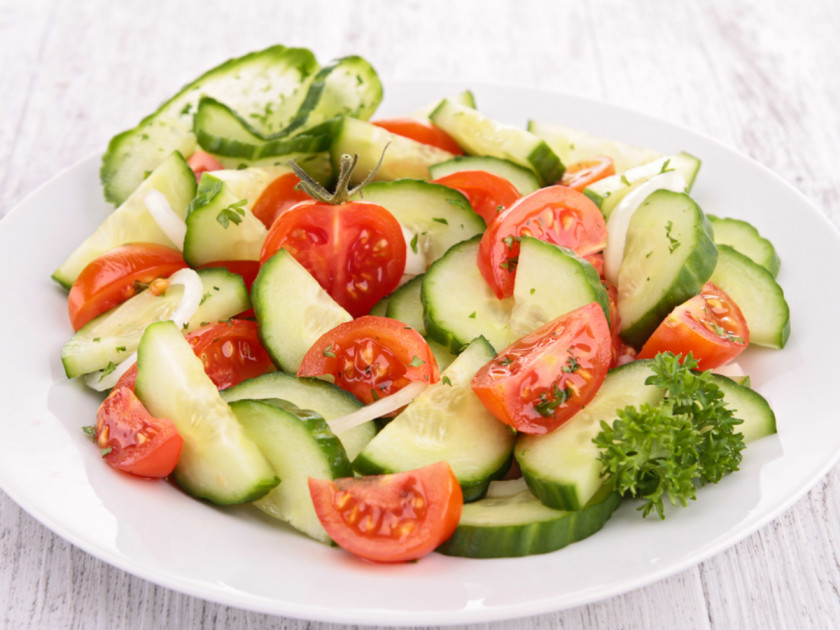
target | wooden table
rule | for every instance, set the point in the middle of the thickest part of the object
(761, 77)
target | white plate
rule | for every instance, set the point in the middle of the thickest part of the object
(236, 557)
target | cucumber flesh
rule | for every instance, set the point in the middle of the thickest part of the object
(749, 406)
(522, 178)
(745, 239)
(465, 98)
(218, 461)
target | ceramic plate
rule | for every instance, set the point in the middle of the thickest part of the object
(237, 557)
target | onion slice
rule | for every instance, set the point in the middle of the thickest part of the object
(101, 381)
(169, 222)
(378, 409)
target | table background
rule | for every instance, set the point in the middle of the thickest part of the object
(761, 77)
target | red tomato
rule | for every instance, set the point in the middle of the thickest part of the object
(709, 325)
(556, 214)
(420, 130)
(371, 357)
(541, 381)
(132, 439)
(355, 250)
(489, 194)
(279, 196)
(117, 275)
(201, 162)
(582, 174)
(621, 352)
(231, 351)
(390, 518)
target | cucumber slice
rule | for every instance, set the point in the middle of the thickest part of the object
(131, 221)
(448, 422)
(758, 295)
(575, 145)
(218, 461)
(220, 224)
(403, 158)
(465, 98)
(747, 405)
(551, 281)
(327, 400)
(458, 304)
(668, 257)
(297, 448)
(438, 216)
(511, 522)
(292, 310)
(745, 239)
(479, 135)
(522, 178)
(114, 335)
(562, 467)
(266, 87)
(608, 192)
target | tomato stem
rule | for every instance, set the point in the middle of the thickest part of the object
(343, 192)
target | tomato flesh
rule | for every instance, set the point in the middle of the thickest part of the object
(390, 518)
(540, 381)
(371, 357)
(488, 194)
(133, 440)
(556, 214)
(117, 275)
(710, 326)
(279, 196)
(202, 162)
(356, 251)
(231, 351)
(582, 174)
(419, 130)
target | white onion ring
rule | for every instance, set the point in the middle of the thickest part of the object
(100, 382)
(378, 409)
(169, 222)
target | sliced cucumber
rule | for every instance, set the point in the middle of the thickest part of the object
(522, 178)
(479, 135)
(292, 310)
(551, 281)
(131, 222)
(744, 238)
(575, 145)
(758, 295)
(266, 87)
(511, 522)
(465, 98)
(448, 422)
(218, 461)
(297, 448)
(403, 158)
(114, 335)
(562, 467)
(327, 400)
(438, 216)
(747, 405)
(668, 257)
(459, 305)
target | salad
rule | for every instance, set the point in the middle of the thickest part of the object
(435, 332)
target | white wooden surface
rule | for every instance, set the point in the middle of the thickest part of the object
(760, 76)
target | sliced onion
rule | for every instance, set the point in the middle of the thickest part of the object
(172, 225)
(619, 220)
(100, 381)
(378, 409)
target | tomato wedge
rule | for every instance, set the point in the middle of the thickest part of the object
(231, 351)
(134, 441)
(540, 381)
(117, 275)
(371, 357)
(488, 194)
(390, 518)
(582, 174)
(202, 162)
(279, 196)
(557, 214)
(419, 130)
(709, 325)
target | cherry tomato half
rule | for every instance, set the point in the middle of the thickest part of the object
(582, 174)
(371, 357)
(117, 275)
(390, 518)
(540, 381)
(133, 440)
(488, 194)
(356, 250)
(709, 325)
(419, 130)
(556, 214)
(231, 351)
(279, 196)
(202, 162)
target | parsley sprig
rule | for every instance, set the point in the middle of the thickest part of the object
(689, 439)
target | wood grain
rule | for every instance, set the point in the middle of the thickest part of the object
(761, 77)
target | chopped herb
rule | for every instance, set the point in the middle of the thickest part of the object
(510, 240)
(90, 430)
(440, 220)
(533, 290)
(97, 339)
(373, 393)
(328, 352)
(505, 360)
(624, 180)
(547, 403)
(414, 243)
(204, 298)
(120, 348)
(472, 315)
(572, 364)
(232, 214)
(721, 332)
(105, 451)
(674, 242)
(665, 168)
(107, 370)
(416, 361)
(445, 380)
